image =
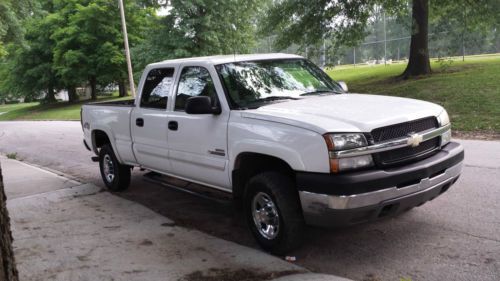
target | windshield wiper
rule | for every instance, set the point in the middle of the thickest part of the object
(274, 98)
(258, 102)
(319, 92)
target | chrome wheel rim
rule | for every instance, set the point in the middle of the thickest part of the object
(109, 168)
(265, 215)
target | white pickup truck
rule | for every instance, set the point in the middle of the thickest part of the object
(281, 137)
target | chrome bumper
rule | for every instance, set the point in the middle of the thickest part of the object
(313, 202)
(337, 200)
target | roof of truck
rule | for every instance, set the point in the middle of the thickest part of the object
(232, 58)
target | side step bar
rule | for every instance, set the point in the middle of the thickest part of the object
(190, 188)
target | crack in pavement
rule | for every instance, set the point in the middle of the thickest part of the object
(481, 167)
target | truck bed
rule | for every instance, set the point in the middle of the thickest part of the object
(121, 103)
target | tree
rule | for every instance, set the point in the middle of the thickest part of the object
(32, 62)
(11, 14)
(8, 269)
(89, 43)
(306, 22)
(197, 28)
(418, 62)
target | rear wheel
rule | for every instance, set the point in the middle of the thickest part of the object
(116, 176)
(273, 212)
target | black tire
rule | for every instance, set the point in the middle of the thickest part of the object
(121, 173)
(283, 194)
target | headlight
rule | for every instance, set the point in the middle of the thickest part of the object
(336, 142)
(344, 141)
(443, 119)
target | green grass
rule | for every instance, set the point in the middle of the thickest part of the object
(469, 90)
(37, 111)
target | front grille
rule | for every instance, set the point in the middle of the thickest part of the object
(405, 154)
(403, 129)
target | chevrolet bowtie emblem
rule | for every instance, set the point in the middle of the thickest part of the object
(414, 140)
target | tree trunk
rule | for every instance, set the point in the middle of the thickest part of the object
(93, 88)
(50, 97)
(419, 63)
(8, 269)
(122, 88)
(72, 96)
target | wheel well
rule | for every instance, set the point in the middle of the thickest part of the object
(248, 165)
(99, 138)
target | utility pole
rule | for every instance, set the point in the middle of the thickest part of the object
(385, 42)
(127, 49)
(463, 32)
(354, 56)
(322, 58)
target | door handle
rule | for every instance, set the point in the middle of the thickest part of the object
(139, 122)
(173, 125)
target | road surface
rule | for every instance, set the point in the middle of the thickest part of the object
(454, 237)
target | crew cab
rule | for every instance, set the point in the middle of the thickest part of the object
(281, 137)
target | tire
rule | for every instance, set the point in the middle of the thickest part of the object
(118, 178)
(280, 190)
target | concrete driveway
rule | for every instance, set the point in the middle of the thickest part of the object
(454, 237)
(65, 230)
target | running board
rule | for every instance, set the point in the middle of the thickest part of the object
(198, 190)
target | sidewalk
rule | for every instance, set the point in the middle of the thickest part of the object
(66, 230)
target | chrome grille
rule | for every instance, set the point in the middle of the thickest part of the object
(405, 154)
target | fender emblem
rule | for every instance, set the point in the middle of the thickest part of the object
(414, 140)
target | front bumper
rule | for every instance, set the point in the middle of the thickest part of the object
(336, 200)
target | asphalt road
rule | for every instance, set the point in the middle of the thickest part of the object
(454, 237)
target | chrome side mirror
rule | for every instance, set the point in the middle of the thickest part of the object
(343, 85)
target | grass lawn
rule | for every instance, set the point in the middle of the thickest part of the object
(469, 90)
(37, 111)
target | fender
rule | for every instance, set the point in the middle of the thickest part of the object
(111, 138)
(288, 155)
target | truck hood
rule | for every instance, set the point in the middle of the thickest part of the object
(344, 112)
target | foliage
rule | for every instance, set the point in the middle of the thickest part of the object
(12, 155)
(345, 23)
(89, 44)
(11, 14)
(462, 88)
(197, 28)
(68, 43)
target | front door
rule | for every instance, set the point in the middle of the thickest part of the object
(149, 120)
(198, 142)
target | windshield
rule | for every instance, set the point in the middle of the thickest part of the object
(251, 84)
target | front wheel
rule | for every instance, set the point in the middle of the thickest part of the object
(115, 175)
(273, 212)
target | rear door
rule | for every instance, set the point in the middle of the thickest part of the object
(149, 120)
(198, 142)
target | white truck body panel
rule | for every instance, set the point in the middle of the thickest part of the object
(289, 130)
(345, 113)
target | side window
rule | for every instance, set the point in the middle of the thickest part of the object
(194, 81)
(156, 88)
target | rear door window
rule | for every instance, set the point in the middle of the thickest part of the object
(157, 88)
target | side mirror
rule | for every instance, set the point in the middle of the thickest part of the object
(343, 85)
(201, 105)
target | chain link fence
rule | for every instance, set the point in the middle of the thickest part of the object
(443, 45)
